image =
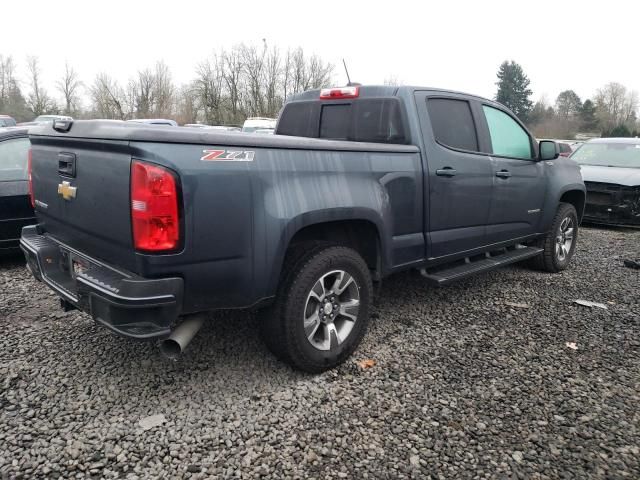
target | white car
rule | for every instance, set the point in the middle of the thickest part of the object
(258, 123)
(51, 118)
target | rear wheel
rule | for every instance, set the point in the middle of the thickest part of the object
(322, 309)
(559, 244)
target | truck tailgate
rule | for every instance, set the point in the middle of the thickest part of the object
(81, 190)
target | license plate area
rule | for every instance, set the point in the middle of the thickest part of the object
(72, 264)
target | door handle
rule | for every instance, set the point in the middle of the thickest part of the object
(67, 164)
(446, 172)
(503, 174)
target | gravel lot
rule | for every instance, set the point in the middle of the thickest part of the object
(464, 385)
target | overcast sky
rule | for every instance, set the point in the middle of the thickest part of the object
(455, 44)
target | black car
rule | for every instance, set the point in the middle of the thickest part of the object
(16, 210)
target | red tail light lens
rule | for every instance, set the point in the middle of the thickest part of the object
(29, 178)
(339, 93)
(154, 208)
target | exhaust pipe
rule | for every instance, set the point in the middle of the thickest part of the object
(180, 338)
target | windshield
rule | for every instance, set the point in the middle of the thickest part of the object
(625, 155)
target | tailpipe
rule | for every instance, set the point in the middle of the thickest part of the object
(173, 346)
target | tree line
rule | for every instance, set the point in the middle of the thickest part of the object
(612, 112)
(254, 80)
(231, 85)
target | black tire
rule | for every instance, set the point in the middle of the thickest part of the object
(550, 260)
(283, 328)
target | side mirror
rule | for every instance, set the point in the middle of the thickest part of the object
(549, 150)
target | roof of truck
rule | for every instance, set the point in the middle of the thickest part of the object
(384, 91)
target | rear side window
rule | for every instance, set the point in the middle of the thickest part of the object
(452, 123)
(378, 120)
(299, 119)
(13, 159)
(508, 138)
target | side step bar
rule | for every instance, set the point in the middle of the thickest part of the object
(445, 275)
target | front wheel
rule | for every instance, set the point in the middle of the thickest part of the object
(559, 244)
(322, 310)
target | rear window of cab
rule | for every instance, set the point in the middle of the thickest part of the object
(378, 120)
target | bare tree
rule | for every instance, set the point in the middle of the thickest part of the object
(232, 73)
(109, 99)
(11, 100)
(392, 80)
(319, 72)
(38, 100)
(272, 83)
(187, 104)
(208, 89)
(615, 105)
(253, 60)
(163, 91)
(144, 93)
(69, 86)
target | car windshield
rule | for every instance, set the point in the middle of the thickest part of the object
(625, 155)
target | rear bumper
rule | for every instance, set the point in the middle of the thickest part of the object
(125, 303)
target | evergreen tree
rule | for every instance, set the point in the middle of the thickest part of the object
(619, 131)
(588, 118)
(513, 89)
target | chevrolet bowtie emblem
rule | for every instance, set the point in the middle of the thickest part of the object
(66, 190)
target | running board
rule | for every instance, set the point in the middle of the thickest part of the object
(444, 276)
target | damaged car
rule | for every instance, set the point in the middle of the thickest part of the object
(611, 172)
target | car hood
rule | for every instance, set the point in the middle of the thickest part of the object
(629, 177)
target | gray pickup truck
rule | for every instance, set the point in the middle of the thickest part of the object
(147, 229)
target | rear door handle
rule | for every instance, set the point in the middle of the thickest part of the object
(446, 172)
(503, 174)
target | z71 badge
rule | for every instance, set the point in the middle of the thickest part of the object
(228, 155)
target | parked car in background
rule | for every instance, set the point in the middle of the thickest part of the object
(611, 172)
(16, 210)
(51, 118)
(227, 128)
(155, 121)
(7, 121)
(565, 149)
(254, 123)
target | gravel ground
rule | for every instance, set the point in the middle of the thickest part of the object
(464, 385)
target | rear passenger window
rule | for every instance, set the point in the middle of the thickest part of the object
(299, 119)
(452, 123)
(508, 138)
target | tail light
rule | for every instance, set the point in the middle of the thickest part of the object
(29, 178)
(154, 208)
(339, 93)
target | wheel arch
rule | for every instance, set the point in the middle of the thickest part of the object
(577, 198)
(360, 229)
